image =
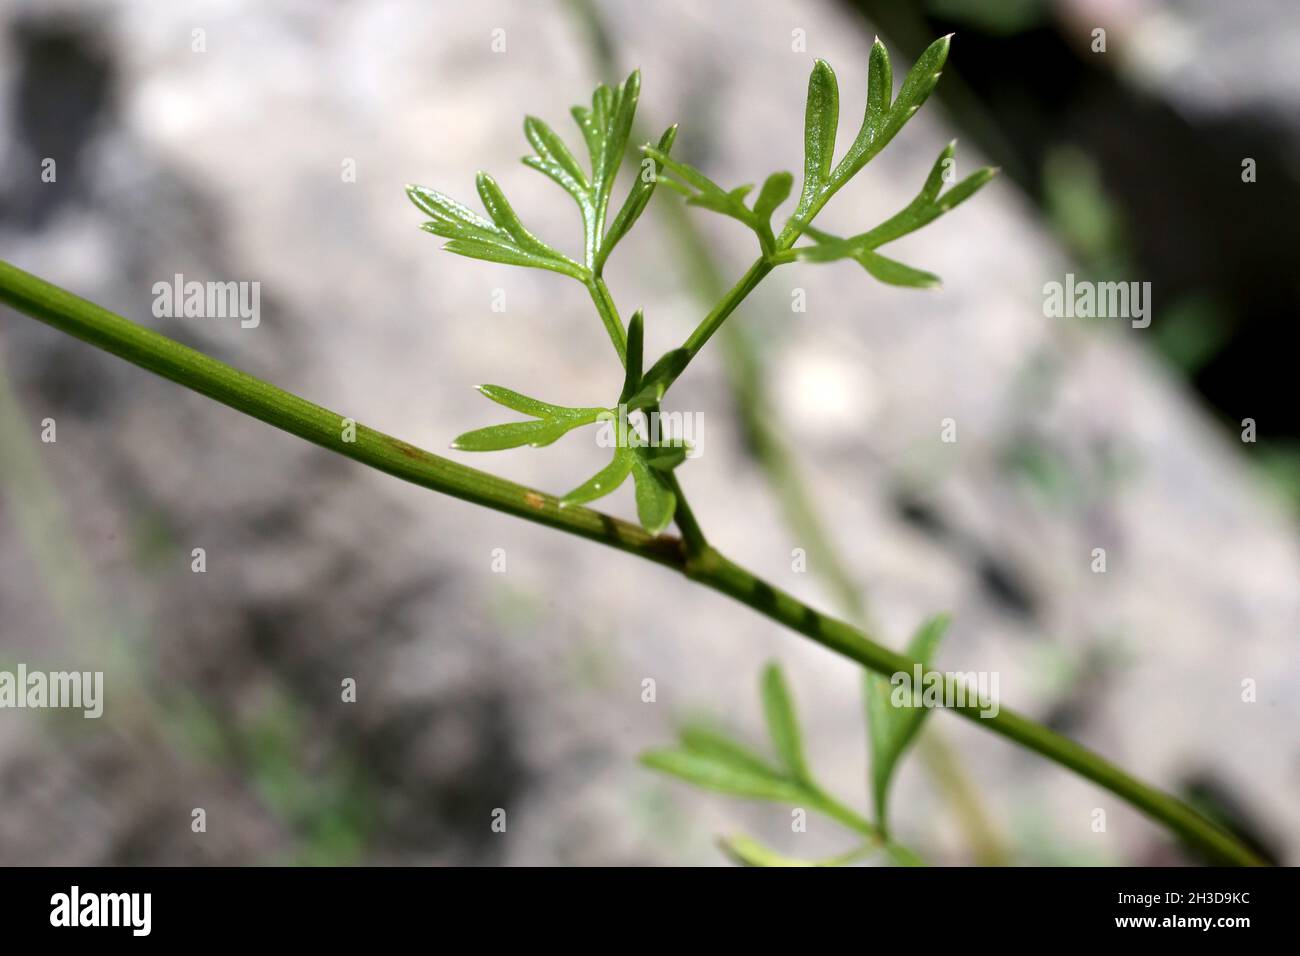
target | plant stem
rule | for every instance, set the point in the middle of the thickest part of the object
(721, 574)
(713, 321)
(604, 303)
(318, 425)
(288, 412)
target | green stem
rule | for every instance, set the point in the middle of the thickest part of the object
(728, 304)
(261, 400)
(722, 575)
(318, 425)
(604, 303)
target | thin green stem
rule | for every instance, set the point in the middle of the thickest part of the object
(604, 303)
(692, 535)
(728, 304)
(318, 425)
(723, 575)
(288, 412)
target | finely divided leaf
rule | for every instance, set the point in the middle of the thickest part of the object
(549, 423)
(928, 205)
(883, 119)
(701, 191)
(917, 86)
(504, 239)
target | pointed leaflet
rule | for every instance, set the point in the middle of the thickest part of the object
(655, 499)
(928, 205)
(829, 249)
(747, 851)
(776, 190)
(892, 272)
(549, 423)
(821, 119)
(494, 201)
(880, 90)
(605, 481)
(637, 199)
(917, 86)
(656, 381)
(704, 740)
(535, 433)
(635, 340)
(701, 191)
(711, 773)
(502, 240)
(892, 728)
(782, 724)
(666, 455)
(551, 150)
(712, 760)
(883, 120)
(522, 403)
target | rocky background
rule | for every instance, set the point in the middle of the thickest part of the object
(522, 690)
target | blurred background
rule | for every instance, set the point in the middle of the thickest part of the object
(214, 139)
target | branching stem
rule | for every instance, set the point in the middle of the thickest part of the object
(288, 412)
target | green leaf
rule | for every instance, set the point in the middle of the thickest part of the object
(550, 422)
(604, 482)
(714, 772)
(704, 740)
(701, 191)
(655, 382)
(522, 403)
(508, 255)
(892, 272)
(928, 205)
(821, 120)
(655, 499)
(782, 724)
(776, 190)
(917, 86)
(747, 851)
(829, 249)
(619, 129)
(445, 209)
(880, 90)
(494, 201)
(504, 239)
(551, 150)
(635, 340)
(535, 433)
(883, 120)
(606, 128)
(667, 455)
(634, 205)
(892, 729)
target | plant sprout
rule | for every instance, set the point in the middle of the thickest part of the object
(703, 757)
